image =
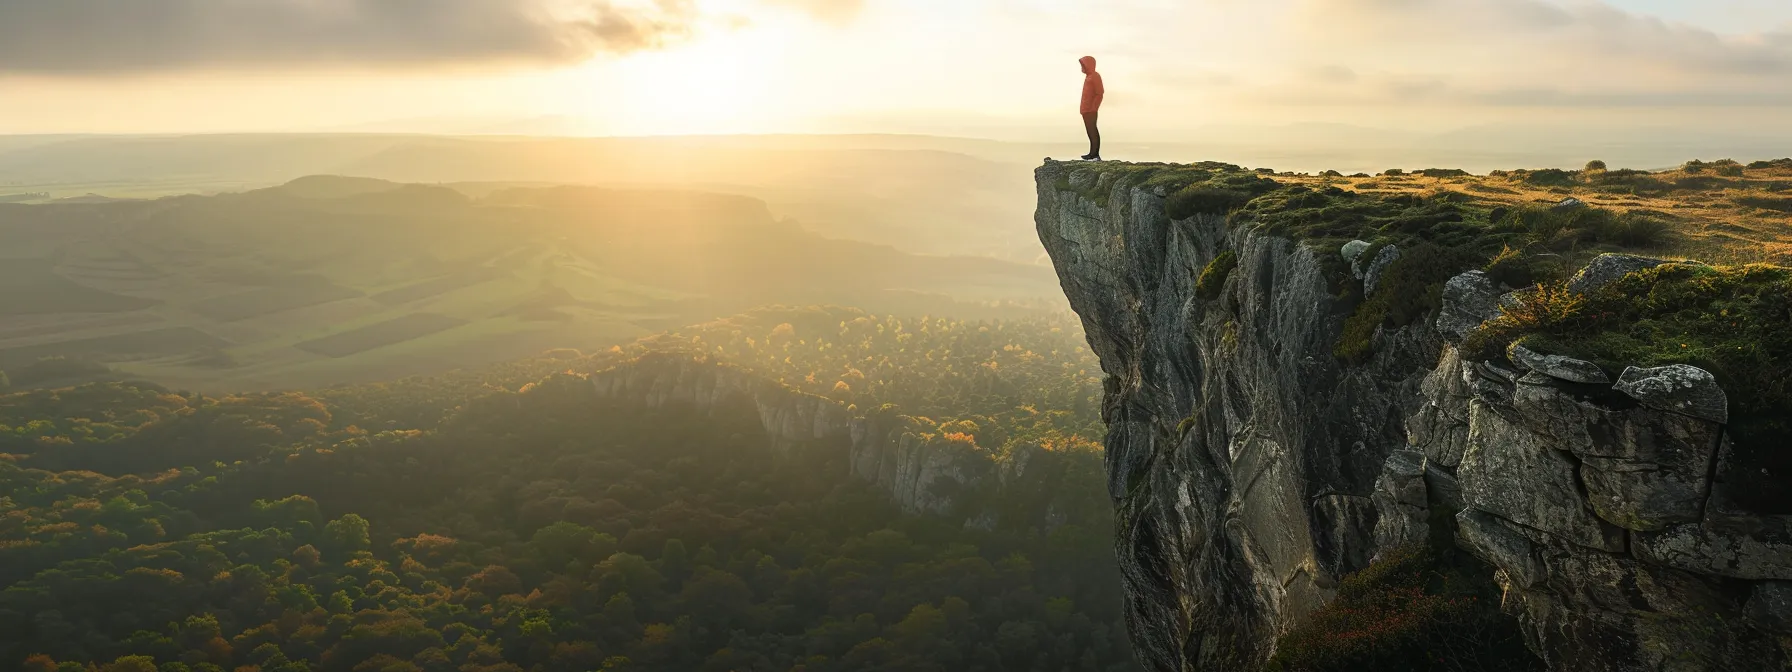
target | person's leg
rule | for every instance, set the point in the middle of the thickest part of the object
(1094, 134)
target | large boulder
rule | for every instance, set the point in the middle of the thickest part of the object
(1677, 388)
(1556, 366)
(1352, 251)
(1372, 273)
(1468, 300)
(1608, 268)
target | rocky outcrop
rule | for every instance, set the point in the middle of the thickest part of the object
(790, 418)
(924, 470)
(1251, 469)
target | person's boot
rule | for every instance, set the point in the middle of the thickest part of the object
(1091, 157)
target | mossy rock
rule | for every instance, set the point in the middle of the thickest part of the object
(1733, 321)
(1213, 278)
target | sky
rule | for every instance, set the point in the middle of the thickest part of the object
(1004, 69)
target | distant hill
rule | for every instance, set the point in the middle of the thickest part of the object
(330, 279)
(926, 195)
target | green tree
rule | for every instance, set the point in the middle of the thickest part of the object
(347, 534)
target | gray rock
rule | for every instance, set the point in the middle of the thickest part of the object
(1402, 505)
(1515, 474)
(1443, 488)
(1468, 300)
(1083, 179)
(1486, 536)
(1643, 469)
(1372, 274)
(1677, 388)
(1570, 203)
(1557, 366)
(1759, 551)
(1608, 268)
(1769, 607)
(1353, 250)
(1346, 528)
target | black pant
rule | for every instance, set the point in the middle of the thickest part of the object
(1094, 133)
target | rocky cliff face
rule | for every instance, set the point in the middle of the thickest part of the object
(1251, 468)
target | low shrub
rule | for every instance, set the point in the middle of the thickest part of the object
(1443, 172)
(1777, 203)
(1410, 288)
(1514, 268)
(1213, 278)
(1205, 200)
(1412, 611)
(1549, 177)
(1639, 230)
(1595, 166)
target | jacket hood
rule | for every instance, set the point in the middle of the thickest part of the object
(1088, 62)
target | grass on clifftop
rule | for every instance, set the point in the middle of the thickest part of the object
(1506, 223)
(1735, 322)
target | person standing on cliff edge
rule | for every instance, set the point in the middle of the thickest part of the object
(1091, 108)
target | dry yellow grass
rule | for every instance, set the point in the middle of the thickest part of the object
(1735, 218)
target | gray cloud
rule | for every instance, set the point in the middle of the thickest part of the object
(118, 36)
(1522, 53)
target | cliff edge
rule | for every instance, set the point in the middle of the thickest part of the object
(1313, 380)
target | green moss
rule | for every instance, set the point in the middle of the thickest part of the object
(1513, 268)
(1735, 322)
(1205, 200)
(1411, 287)
(1213, 278)
(1173, 179)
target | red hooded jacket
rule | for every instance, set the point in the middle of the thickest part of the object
(1092, 88)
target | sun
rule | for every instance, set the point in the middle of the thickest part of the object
(719, 84)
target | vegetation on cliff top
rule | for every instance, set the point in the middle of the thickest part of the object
(1719, 211)
(1734, 321)
(1518, 225)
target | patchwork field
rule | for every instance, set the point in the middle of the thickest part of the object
(32, 287)
(389, 332)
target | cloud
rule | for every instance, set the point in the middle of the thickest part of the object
(836, 11)
(1585, 42)
(121, 36)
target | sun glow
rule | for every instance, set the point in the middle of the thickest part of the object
(722, 84)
